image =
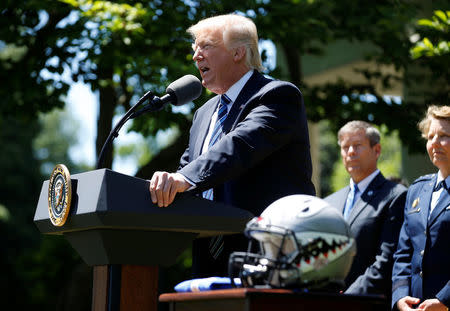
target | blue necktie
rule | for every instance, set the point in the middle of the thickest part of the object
(350, 201)
(217, 133)
(216, 243)
(440, 185)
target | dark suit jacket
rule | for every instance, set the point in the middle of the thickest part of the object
(375, 222)
(422, 260)
(264, 154)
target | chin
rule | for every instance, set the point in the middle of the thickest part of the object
(441, 164)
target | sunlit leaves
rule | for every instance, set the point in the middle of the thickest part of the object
(437, 43)
(116, 17)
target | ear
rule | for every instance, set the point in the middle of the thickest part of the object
(377, 148)
(239, 54)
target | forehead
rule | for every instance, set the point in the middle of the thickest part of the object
(439, 125)
(208, 35)
(353, 136)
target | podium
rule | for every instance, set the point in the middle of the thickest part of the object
(115, 227)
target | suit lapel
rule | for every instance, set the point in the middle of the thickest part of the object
(366, 197)
(425, 199)
(442, 204)
(343, 200)
(204, 124)
(250, 88)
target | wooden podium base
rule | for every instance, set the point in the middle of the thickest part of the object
(250, 299)
(125, 288)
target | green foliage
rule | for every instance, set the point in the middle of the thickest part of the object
(27, 281)
(31, 53)
(57, 135)
(329, 155)
(439, 26)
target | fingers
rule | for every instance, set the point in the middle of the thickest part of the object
(432, 305)
(406, 303)
(160, 186)
(171, 193)
(152, 187)
(157, 186)
(164, 187)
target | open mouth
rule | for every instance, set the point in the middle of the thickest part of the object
(204, 70)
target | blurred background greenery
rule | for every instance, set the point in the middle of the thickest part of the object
(122, 49)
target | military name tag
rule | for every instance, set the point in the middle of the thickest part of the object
(59, 195)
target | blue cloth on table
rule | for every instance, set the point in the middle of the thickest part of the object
(204, 284)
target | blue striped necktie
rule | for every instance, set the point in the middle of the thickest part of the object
(217, 133)
(216, 243)
(350, 201)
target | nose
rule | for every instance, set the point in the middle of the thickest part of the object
(351, 150)
(197, 54)
(434, 140)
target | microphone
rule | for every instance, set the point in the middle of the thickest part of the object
(179, 92)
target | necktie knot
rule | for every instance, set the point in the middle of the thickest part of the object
(225, 100)
(440, 185)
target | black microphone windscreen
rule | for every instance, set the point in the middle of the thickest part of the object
(185, 89)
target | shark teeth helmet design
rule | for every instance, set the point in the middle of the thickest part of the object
(301, 242)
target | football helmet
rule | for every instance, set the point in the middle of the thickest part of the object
(302, 242)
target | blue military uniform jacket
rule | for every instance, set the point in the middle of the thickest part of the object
(422, 260)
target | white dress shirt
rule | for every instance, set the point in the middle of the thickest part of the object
(363, 184)
(232, 93)
(437, 194)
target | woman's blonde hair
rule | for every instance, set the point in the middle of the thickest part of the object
(433, 112)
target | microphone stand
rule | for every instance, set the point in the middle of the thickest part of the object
(131, 114)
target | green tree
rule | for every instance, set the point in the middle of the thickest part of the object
(432, 52)
(123, 49)
(36, 267)
(33, 43)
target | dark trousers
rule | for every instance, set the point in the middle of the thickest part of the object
(204, 265)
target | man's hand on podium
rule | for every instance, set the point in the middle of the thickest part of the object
(164, 186)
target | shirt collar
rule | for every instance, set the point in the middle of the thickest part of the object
(236, 88)
(440, 177)
(363, 184)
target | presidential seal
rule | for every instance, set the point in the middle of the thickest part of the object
(59, 195)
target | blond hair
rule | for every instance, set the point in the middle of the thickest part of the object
(433, 112)
(237, 31)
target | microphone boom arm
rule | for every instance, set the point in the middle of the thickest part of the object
(115, 132)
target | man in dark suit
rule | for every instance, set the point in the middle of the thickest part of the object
(421, 273)
(373, 209)
(248, 154)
